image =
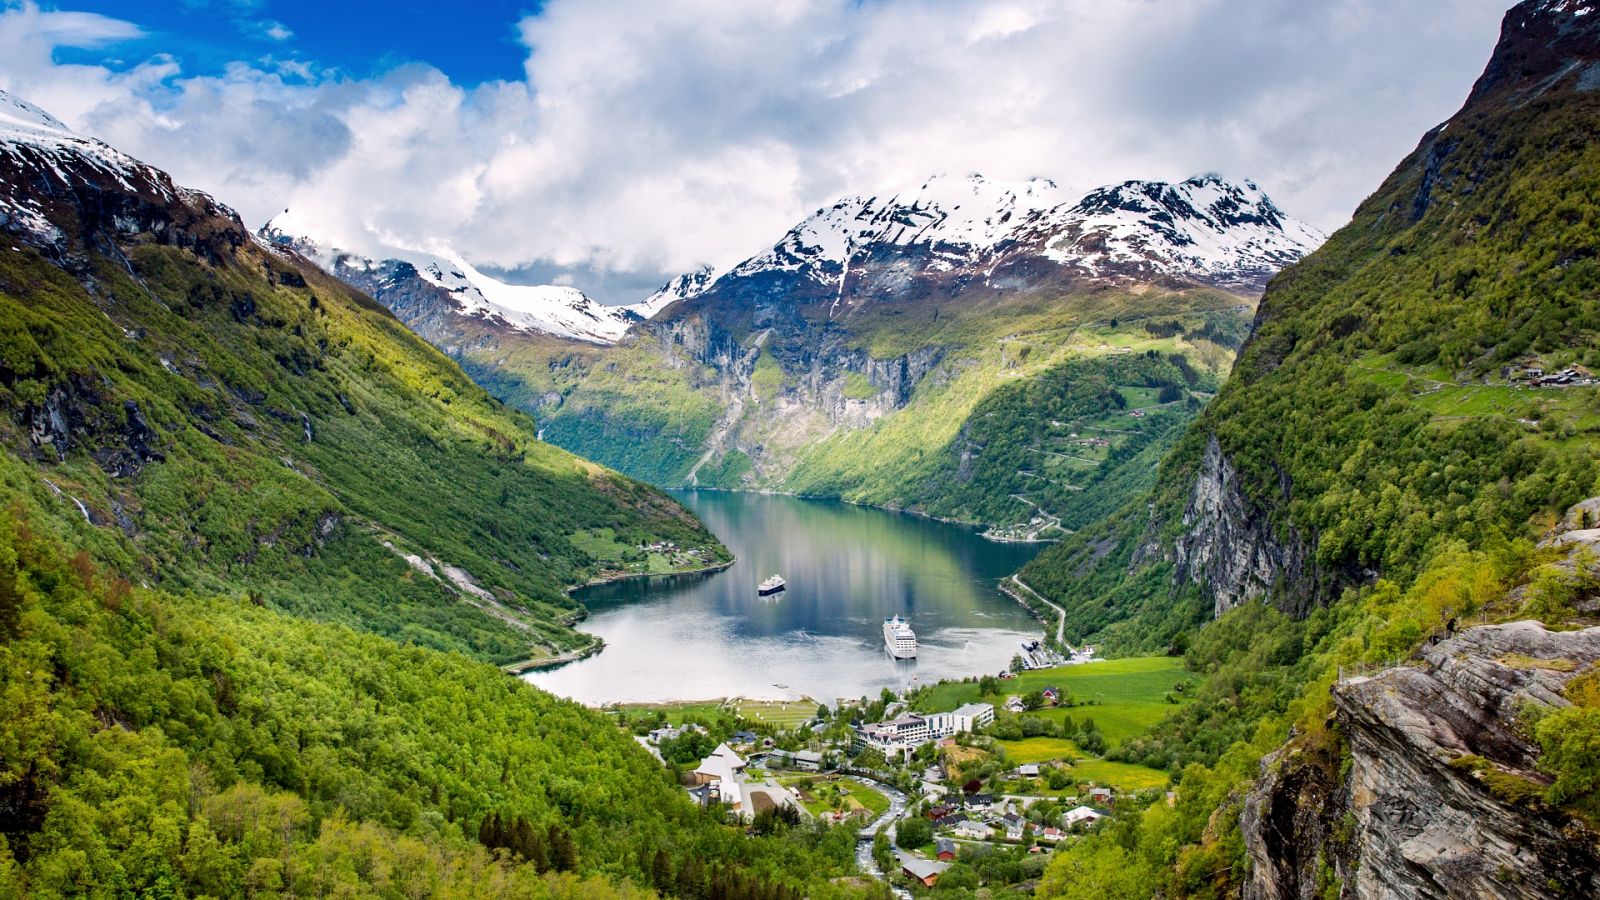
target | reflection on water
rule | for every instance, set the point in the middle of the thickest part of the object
(702, 636)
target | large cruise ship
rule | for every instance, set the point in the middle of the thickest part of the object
(899, 638)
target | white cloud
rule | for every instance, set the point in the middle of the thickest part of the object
(273, 30)
(650, 137)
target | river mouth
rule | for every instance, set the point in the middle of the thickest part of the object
(710, 635)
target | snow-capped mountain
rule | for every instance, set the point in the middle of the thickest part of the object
(1205, 230)
(689, 284)
(52, 175)
(545, 309)
(961, 218)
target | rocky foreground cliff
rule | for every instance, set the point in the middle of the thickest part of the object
(1438, 795)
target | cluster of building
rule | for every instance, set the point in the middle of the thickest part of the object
(909, 731)
(1533, 372)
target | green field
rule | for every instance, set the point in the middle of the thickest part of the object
(678, 713)
(1123, 696)
(1084, 769)
(1119, 775)
(780, 713)
(817, 794)
(1040, 749)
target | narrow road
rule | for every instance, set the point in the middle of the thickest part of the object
(1061, 614)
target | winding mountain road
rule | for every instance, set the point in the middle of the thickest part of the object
(1061, 614)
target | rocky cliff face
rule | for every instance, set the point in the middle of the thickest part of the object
(1436, 799)
(1231, 547)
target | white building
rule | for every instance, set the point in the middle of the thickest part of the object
(913, 730)
(724, 769)
(1081, 815)
(967, 718)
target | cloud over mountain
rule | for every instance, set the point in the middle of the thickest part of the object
(649, 138)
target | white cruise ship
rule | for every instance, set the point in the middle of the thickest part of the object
(899, 638)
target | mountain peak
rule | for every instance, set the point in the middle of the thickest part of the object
(17, 113)
(60, 186)
(1543, 44)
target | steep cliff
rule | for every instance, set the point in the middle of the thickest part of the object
(1443, 792)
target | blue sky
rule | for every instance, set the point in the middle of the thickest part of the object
(471, 42)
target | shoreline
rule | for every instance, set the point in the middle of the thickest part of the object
(522, 667)
(596, 644)
(636, 576)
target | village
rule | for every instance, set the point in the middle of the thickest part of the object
(976, 780)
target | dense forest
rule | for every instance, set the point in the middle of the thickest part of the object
(165, 745)
(259, 546)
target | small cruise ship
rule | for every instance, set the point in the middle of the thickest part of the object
(771, 585)
(899, 638)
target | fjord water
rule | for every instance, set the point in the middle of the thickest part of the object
(695, 637)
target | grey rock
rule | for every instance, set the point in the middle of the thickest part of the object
(1406, 823)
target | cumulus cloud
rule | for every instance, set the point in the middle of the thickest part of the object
(648, 138)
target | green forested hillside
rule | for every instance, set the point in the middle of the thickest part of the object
(1008, 396)
(1064, 441)
(1378, 385)
(1381, 413)
(248, 424)
(160, 745)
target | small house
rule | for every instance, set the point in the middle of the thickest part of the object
(1081, 815)
(972, 830)
(1028, 770)
(945, 849)
(924, 870)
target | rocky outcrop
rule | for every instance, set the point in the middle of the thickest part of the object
(1230, 545)
(1441, 793)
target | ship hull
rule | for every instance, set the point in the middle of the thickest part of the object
(769, 591)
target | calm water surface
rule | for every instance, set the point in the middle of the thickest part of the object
(697, 637)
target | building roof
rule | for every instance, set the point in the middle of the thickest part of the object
(974, 709)
(722, 765)
(922, 868)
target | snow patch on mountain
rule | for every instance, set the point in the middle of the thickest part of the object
(38, 144)
(1203, 229)
(550, 309)
(689, 284)
(962, 218)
